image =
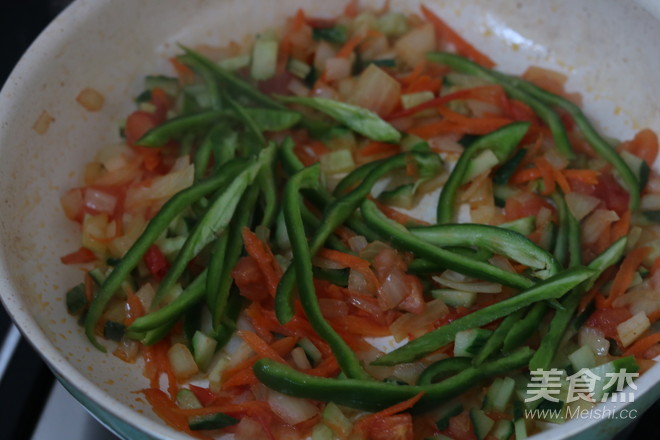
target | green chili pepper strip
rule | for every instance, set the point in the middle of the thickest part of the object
(443, 368)
(202, 69)
(233, 82)
(494, 343)
(403, 239)
(550, 341)
(497, 240)
(168, 314)
(203, 154)
(375, 396)
(219, 280)
(302, 261)
(227, 327)
(549, 116)
(561, 243)
(553, 287)
(525, 328)
(158, 224)
(354, 178)
(337, 213)
(501, 142)
(215, 219)
(600, 145)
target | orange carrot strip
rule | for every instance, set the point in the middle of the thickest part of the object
(353, 262)
(350, 45)
(590, 177)
(593, 292)
(352, 8)
(168, 411)
(260, 346)
(249, 407)
(265, 259)
(185, 73)
(620, 228)
(416, 73)
(654, 316)
(525, 175)
(561, 181)
(645, 146)
(281, 347)
(626, 273)
(462, 47)
(643, 344)
(398, 216)
(328, 367)
(363, 424)
(546, 173)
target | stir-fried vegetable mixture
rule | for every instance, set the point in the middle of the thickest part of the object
(270, 235)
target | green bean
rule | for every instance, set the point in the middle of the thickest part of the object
(549, 116)
(600, 145)
(443, 368)
(553, 287)
(495, 239)
(375, 396)
(501, 142)
(574, 241)
(169, 313)
(245, 117)
(219, 280)
(494, 343)
(227, 327)
(214, 220)
(177, 127)
(302, 261)
(404, 240)
(550, 341)
(158, 224)
(268, 185)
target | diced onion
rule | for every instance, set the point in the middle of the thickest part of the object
(414, 45)
(248, 429)
(650, 202)
(595, 339)
(393, 289)
(337, 68)
(182, 361)
(161, 188)
(291, 410)
(91, 99)
(324, 52)
(468, 286)
(357, 243)
(633, 328)
(503, 263)
(72, 203)
(298, 88)
(377, 91)
(597, 223)
(100, 201)
(580, 204)
(411, 323)
(300, 358)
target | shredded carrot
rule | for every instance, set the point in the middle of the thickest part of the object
(261, 252)
(299, 20)
(135, 308)
(590, 177)
(593, 292)
(654, 316)
(328, 367)
(621, 227)
(423, 83)
(547, 174)
(645, 146)
(398, 216)
(362, 326)
(525, 175)
(347, 49)
(626, 273)
(363, 424)
(655, 267)
(416, 73)
(280, 347)
(352, 8)
(186, 75)
(643, 344)
(353, 262)
(561, 181)
(260, 346)
(169, 412)
(462, 47)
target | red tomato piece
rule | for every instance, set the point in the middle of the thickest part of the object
(612, 194)
(396, 427)
(156, 262)
(606, 320)
(137, 124)
(524, 205)
(204, 395)
(249, 279)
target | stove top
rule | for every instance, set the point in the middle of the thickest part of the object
(33, 406)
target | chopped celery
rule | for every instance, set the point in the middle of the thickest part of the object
(455, 298)
(264, 59)
(468, 342)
